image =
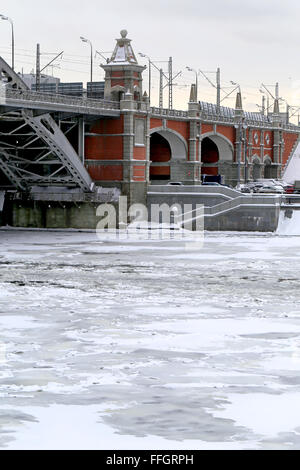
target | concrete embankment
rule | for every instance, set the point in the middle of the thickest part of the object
(225, 209)
(54, 210)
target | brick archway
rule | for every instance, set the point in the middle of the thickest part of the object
(168, 150)
(217, 155)
(210, 157)
(256, 168)
(268, 169)
(160, 156)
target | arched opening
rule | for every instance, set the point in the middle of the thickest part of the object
(217, 158)
(168, 150)
(117, 93)
(268, 168)
(210, 157)
(160, 156)
(256, 173)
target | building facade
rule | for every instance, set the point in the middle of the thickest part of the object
(149, 144)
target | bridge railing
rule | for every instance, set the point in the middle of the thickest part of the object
(168, 112)
(220, 118)
(33, 96)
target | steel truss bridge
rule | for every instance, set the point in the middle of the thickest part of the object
(34, 128)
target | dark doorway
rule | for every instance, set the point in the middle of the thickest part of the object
(209, 157)
(268, 171)
(160, 156)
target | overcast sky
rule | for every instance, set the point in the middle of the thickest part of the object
(253, 41)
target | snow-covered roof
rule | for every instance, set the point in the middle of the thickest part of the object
(211, 108)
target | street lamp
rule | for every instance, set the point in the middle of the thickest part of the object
(236, 84)
(149, 66)
(6, 18)
(196, 73)
(89, 42)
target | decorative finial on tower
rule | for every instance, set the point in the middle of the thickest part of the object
(238, 112)
(193, 94)
(276, 118)
(123, 52)
(123, 74)
(145, 97)
(276, 107)
(238, 103)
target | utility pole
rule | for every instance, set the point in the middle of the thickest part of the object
(161, 88)
(263, 106)
(38, 68)
(150, 78)
(170, 83)
(287, 113)
(218, 88)
(169, 79)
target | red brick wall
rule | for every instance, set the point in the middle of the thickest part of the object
(139, 173)
(290, 140)
(105, 147)
(228, 132)
(139, 153)
(105, 172)
(207, 128)
(182, 127)
(154, 122)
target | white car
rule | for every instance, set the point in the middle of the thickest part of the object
(272, 188)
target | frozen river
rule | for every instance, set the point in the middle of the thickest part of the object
(119, 345)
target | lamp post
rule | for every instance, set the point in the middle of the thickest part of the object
(6, 18)
(196, 74)
(91, 45)
(150, 75)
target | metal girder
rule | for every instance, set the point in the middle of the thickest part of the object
(11, 175)
(33, 148)
(10, 78)
(34, 151)
(47, 129)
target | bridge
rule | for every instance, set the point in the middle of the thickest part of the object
(34, 148)
(51, 142)
(52, 103)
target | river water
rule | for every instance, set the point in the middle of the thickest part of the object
(108, 344)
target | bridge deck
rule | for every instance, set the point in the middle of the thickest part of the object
(25, 99)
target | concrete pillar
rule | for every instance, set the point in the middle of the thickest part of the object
(192, 173)
(81, 139)
(262, 145)
(128, 107)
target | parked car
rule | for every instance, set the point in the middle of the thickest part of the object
(211, 184)
(252, 187)
(272, 188)
(289, 189)
(244, 188)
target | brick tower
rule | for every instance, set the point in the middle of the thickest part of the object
(123, 145)
(123, 74)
